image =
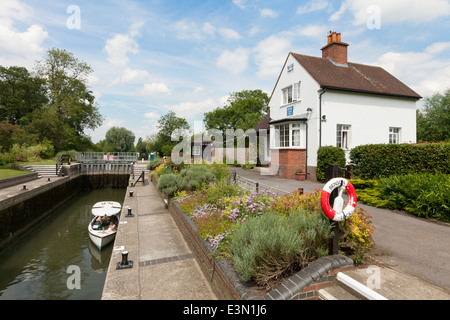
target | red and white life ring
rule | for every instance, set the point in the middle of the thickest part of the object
(336, 213)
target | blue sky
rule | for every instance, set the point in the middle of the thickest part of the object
(150, 57)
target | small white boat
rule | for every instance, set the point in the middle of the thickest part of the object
(103, 227)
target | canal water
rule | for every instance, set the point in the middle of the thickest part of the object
(57, 260)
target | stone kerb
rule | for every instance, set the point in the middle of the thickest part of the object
(12, 181)
(226, 283)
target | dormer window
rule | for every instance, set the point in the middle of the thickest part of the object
(291, 94)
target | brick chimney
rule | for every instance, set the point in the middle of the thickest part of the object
(335, 49)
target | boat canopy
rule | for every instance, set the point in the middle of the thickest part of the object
(108, 208)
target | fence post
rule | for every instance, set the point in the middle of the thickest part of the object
(332, 171)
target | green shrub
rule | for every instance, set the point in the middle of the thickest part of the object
(217, 192)
(168, 183)
(194, 177)
(360, 184)
(72, 153)
(220, 171)
(154, 163)
(270, 247)
(329, 155)
(173, 167)
(383, 160)
(6, 158)
(248, 166)
(425, 194)
(357, 240)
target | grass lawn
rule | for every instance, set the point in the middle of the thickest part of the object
(39, 163)
(7, 172)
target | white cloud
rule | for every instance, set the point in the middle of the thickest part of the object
(134, 75)
(189, 110)
(118, 49)
(114, 123)
(315, 31)
(240, 3)
(425, 72)
(12, 10)
(311, 6)
(152, 116)
(268, 13)
(154, 88)
(271, 54)
(234, 61)
(19, 47)
(198, 90)
(415, 11)
(190, 30)
(229, 33)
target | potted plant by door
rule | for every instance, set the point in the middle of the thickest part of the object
(300, 175)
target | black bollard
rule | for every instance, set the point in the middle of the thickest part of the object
(129, 214)
(125, 263)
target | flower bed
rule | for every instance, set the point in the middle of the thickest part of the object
(212, 220)
(227, 284)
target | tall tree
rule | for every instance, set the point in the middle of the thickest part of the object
(71, 103)
(119, 140)
(20, 94)
(169, 125)
(243, 110)
(433, 124)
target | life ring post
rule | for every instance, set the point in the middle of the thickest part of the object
(332, 189)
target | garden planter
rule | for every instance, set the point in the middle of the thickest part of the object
(300, 176)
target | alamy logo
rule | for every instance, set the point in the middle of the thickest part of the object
(74, 20)
(74, 280)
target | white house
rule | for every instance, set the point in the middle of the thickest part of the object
(330, 101)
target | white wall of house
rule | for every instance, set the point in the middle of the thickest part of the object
(308, 98)
(369, 118)
(308, 91)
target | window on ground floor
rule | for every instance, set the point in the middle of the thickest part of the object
(343, 136)
(394, 135)
(288, 135)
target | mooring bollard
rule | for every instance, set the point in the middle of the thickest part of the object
(125, 263)
(131, 193)
(129, 214)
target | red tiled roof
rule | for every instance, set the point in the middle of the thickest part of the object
(354, 77)
(264, 123)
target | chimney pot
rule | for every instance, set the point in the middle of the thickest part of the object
(333, 37)
(335, 49)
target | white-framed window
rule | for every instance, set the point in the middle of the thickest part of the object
(282, 136)
(291, 94)
(196, 151)
(288, 135)
(394, 135)
(295, 133)
(343, 136)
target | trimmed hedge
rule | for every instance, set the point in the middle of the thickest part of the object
(383, 160)
(329, 155)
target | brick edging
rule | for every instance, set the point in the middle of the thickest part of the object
(226, 283)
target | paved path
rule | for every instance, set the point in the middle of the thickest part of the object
(408, 244)
(164, 268)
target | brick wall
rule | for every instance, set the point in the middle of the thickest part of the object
(289, 161)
